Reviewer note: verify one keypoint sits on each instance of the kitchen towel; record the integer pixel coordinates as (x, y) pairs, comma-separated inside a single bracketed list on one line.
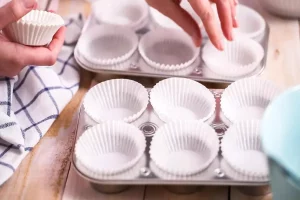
[(31, 101)]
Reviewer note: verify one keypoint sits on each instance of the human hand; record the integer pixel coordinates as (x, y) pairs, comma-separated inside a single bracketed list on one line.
[(226, 12), (14, 57)]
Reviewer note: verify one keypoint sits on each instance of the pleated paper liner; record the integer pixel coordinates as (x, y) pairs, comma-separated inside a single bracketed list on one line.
[(162, 21), (208, 173), (286, 8), (184, 148), (231, 173), (239, 58), (107, 44), (132, 14), (110, 148), (182, 99), (36, 28), (248, 98), (132, 173), (117, 99), (168, 49), (251, 24), (241, 148)]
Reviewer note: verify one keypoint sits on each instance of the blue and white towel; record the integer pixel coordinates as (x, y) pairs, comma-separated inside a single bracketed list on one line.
[(31, 101)]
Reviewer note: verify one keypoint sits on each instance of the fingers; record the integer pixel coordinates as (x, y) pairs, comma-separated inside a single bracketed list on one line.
[(205, 12), (57, 41), (40, 55), (233, 4), (225, 15), (181, 17), (14, 10)]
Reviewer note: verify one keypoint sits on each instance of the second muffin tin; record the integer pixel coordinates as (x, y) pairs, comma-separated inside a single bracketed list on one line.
[(243, 63), (216, 172)]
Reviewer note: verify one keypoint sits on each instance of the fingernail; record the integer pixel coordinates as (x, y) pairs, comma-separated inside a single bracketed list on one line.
[(220, 45), (29, 3), (236, 2), (236, 24)]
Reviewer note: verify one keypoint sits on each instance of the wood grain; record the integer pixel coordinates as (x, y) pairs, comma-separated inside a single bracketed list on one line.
[(205, 193)]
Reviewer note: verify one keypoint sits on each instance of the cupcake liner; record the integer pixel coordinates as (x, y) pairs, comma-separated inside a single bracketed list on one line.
[(36, 28), (182, 99), (161, 21), (168, 49), (239, 57), (233, 174), (110, 148), (242, 149), (208, 173), (287, 8), (118, 99), (251, 23), (184, 148), (86, 64), (181, 72), (129, 174), (107, 45), (132, 14), (247, 98)]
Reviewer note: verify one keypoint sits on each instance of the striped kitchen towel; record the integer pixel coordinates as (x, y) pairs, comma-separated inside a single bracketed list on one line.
[(31, 101)]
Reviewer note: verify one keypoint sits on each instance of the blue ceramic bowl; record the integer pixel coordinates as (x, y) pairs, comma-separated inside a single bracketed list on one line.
[(280, 132)]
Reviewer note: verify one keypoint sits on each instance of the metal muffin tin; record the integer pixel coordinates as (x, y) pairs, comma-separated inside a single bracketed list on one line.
[(136, 66), (219, 173)]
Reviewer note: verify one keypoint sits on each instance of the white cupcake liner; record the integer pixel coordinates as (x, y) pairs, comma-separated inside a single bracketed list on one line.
[(132, 14), (129, 174), (182, 99), (242, 149), (110, 148), (161, 21), (251, 23), (247, 98), (181, 72), (184, 148), (168, 49), (233, 174), (239, 57), (36, 28), (94, 67), (208, 173), (287, 8), (116, 100), (107, 45)]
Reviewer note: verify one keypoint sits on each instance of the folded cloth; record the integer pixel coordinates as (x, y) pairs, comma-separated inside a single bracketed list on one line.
[(31, 101)]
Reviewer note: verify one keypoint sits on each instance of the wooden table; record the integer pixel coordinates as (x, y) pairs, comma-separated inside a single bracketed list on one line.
[(46, 173)]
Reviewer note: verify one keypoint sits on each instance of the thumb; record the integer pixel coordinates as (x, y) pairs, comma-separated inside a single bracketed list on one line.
[(14, 10)]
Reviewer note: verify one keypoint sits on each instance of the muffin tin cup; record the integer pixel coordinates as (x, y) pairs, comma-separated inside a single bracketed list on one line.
[(168, 49), (241, 148), (184, 148), (116, 100), (239, 58), (251, 24), (247, 98), (177, 99), (36, 28), (110, 148), (107, 44), (132, 14)]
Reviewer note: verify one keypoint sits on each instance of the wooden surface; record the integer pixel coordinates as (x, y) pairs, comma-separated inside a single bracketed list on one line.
[(51, 176)]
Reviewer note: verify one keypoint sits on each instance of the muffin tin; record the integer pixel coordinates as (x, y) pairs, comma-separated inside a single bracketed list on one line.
[(196, 141), (164, 52)]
